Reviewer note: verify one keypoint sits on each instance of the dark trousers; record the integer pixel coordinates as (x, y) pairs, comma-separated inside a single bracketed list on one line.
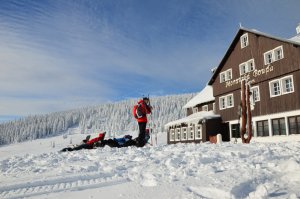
[(79, 147), (142, 133)]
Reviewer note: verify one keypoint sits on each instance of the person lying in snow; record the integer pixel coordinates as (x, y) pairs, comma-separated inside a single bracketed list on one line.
[(100, 142), (86, 143)]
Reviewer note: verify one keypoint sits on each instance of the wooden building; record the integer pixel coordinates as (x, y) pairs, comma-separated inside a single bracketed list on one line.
[(201, 123), (271, 65)]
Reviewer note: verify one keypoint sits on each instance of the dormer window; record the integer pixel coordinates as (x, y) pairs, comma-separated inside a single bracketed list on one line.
[(244, 40)]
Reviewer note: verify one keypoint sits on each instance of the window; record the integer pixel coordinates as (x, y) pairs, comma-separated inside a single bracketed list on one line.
[(278, 53), (195, 109), (262, 128), (172, 135), (278, 126), (191, 132), (177, 134), (281, 86), (243, 69), (247, 66), (251, 65), (275, 88), (198, 132), (229, 74), (222, 77), (222, 103), (214, 107), (226, 101), (205, 108), (294, 124), (268, 56), (273, 55), (184, 133), (255, 94), (226, 75), (230, 101), (244, 40), (287, 85)]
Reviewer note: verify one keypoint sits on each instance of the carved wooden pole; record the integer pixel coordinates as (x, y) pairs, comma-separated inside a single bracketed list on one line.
[(249, 115), (243, 104)]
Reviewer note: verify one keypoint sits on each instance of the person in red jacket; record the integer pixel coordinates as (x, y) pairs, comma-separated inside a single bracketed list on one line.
[(143, 108), (86, 144)]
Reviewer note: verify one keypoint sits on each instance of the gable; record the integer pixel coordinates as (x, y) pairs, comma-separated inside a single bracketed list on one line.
[(236, 46)]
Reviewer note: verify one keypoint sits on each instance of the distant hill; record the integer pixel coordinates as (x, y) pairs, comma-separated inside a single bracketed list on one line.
[(112, 118)]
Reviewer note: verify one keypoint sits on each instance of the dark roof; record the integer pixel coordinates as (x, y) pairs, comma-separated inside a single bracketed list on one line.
[(236, 39)]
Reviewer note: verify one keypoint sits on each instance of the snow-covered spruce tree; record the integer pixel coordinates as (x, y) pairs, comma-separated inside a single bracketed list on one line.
[(114, 118)]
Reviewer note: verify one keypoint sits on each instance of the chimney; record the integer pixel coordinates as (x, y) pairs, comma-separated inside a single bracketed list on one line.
[(298, 29)]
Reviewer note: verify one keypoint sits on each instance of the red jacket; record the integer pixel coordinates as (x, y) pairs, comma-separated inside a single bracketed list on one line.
[(145, 110), (94, 140)]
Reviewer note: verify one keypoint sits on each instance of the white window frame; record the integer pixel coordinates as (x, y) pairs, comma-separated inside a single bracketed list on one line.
[(274, 55), (268, 60), (249, 66), (226, 101), (184, 133), (177, 134), (245, 67), (222, 77), (244, 43), (278, 49), (284, 84), (191, 132), (271, 87), (281, 83), (253, 90), (198, 132), (172, 135), (195, 109), (214, 107), (205, 108), (221, 102), (226, 75), (227, 97)]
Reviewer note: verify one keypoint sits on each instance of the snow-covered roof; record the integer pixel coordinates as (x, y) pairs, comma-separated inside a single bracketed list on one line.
[(194, 118), (206, 95), (295, 39)]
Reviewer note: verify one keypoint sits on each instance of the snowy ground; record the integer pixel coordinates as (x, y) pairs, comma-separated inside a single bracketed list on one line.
[(227, 170)]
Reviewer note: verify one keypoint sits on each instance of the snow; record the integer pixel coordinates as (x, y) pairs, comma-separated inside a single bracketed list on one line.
[(194, 118), (296, 38), (260, 169), (206, 95)]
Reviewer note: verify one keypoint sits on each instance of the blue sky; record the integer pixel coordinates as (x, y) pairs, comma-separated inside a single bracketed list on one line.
[(58, 55)]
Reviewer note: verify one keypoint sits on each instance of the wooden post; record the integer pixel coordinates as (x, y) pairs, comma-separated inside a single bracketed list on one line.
[(249, 115), (243, 104)]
